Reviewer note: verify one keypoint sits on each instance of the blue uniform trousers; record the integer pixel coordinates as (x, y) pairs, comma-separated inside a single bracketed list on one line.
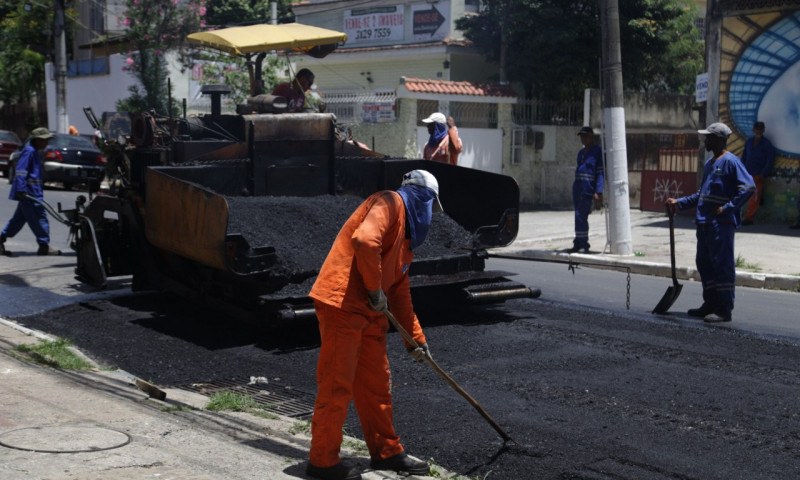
[(716, 265), (35, 216), (583, 207)]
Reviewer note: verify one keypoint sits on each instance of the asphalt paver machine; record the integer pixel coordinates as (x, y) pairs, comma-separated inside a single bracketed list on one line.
[(238, 211)]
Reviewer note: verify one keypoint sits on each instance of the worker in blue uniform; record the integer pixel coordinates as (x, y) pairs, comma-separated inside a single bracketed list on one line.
[(757, 157), (27, 190), (587, 189), (725, 188)]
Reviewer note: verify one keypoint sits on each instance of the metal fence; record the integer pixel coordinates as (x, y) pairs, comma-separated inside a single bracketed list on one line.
[(534, 112)]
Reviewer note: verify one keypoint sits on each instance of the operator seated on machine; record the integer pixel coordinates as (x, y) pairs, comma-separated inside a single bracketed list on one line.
[(300, 94)]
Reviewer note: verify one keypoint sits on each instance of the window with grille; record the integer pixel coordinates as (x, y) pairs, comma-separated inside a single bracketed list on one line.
[(517, 145)]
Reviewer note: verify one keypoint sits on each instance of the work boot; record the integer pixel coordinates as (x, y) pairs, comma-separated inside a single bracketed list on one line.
[(45, 249), (700, 312), (339, 471), (717, 317), (401, 463), (3, 250)]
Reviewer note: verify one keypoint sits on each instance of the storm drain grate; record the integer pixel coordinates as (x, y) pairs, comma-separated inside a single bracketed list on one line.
[(276, 398)]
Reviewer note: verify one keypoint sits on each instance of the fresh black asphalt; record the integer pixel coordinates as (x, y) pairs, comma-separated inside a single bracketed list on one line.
[(586, 394)]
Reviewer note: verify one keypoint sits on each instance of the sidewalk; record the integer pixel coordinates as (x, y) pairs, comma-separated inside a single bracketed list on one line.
[(768, 254), (97, 425)]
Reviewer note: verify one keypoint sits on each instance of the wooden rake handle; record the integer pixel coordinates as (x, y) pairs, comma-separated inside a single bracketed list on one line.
[(447, 378)]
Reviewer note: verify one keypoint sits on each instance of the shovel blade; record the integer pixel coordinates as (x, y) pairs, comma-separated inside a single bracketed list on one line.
[(668, 299)]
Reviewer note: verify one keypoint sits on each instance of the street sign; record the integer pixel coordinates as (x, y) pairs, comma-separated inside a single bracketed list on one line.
[(701, 88)]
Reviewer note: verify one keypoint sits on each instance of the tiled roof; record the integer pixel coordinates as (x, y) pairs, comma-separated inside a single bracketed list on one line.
[(447, 87)]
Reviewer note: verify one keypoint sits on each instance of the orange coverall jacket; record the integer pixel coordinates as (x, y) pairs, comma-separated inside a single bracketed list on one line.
[(371, 252)]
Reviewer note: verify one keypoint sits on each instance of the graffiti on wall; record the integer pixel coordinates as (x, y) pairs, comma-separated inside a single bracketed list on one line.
[(665, 188)]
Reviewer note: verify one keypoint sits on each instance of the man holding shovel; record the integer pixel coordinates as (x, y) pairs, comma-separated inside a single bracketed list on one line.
[(725, 188), (365, 272)]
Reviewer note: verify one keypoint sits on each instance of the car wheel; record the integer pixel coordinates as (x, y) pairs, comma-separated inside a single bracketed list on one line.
[(10, 174), (67, 185)]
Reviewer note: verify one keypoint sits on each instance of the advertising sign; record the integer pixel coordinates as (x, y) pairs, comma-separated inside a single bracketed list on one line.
[(377, 112), (374, 24), (431, 21)]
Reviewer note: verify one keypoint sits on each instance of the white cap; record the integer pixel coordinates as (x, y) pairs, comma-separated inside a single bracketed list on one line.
[(717, 129), (435, 117), (424, 178)]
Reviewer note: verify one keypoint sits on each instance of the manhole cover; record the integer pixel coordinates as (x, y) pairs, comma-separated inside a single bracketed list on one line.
[(272, 397), (64, 439)]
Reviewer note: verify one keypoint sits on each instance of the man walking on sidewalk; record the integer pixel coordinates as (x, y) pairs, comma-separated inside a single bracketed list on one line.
[(726, 186), (27, 190)]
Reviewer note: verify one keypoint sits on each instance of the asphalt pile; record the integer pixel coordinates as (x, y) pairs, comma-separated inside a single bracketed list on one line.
[(302, 230)]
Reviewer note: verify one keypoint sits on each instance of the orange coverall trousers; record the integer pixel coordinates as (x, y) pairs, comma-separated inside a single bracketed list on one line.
[(352, 365)]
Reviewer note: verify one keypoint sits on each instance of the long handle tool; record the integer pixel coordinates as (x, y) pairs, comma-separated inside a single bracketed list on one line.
[(672, 292), (447, 378)]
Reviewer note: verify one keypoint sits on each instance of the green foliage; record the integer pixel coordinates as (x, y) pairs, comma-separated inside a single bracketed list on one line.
[(232, 72), (155, 27), (231, 401), (227, 13), (24, 36), (554, 46), (55, 353)]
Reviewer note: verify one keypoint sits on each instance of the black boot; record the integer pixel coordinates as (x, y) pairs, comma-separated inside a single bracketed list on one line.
[(339, 471), (3, 250), (401, 463), (44, 249), (701, 312)]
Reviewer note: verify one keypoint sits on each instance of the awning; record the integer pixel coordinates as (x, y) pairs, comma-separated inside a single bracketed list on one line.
[(260, 38)]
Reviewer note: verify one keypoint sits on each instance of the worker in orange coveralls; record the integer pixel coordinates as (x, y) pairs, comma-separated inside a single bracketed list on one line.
[(365, 273)]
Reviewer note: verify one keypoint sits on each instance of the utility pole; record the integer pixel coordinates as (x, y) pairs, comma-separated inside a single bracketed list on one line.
[(614, 132), (713, 37), (61, 68)]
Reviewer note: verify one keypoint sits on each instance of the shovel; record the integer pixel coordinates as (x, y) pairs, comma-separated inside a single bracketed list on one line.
[(674, 291), (447, 378)]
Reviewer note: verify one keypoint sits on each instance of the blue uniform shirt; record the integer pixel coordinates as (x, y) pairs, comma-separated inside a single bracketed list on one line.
[(589, 173), (758, 159), (725, 182), (28, 174)]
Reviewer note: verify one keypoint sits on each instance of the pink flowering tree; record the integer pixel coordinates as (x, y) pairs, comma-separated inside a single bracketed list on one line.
[(155, 27)]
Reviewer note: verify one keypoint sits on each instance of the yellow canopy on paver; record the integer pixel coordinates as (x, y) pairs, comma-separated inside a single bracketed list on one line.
[(261, 38)]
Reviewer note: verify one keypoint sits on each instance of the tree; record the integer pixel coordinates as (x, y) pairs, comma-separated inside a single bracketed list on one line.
[(553, 47), (25, 33), (232, 71), (155, 27)]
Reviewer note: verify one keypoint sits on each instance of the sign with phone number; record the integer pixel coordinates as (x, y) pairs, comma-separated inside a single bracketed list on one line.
[(376, 24)]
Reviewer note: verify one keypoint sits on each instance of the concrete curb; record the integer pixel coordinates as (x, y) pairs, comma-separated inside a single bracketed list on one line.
[(769, 281)]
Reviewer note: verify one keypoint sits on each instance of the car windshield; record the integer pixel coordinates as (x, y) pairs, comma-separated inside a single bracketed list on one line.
[(72, 142), (9, 137)]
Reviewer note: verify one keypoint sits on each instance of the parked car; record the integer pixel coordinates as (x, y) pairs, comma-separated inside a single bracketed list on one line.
[(69, 160), (9, 142)]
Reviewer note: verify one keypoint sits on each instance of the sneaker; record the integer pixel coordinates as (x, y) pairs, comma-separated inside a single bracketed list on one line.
[(339, 471), (45, 249), (700, 312), (717, 317), (401, 463), (578, 250), (3, 250)]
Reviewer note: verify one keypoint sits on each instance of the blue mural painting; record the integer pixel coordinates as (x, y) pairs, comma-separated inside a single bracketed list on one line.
[(765, 86)]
